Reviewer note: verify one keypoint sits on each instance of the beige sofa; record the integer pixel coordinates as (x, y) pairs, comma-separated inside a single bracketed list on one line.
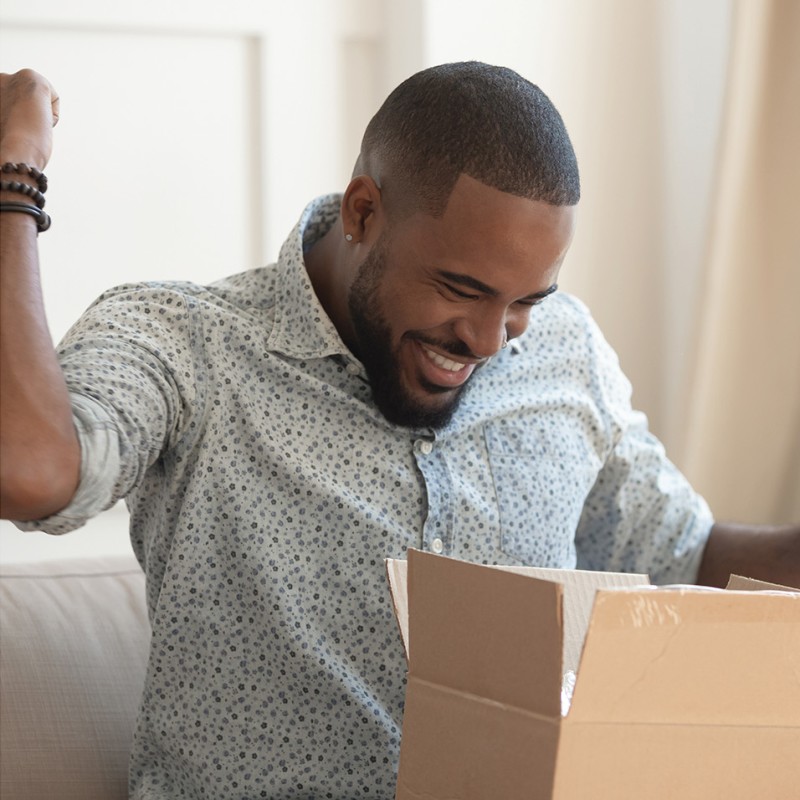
[(73, 650)]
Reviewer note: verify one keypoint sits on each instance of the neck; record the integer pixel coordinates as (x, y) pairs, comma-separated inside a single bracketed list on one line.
[(327, 267)]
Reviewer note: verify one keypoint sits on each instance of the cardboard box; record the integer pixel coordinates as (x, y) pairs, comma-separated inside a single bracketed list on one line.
[(681, 693)]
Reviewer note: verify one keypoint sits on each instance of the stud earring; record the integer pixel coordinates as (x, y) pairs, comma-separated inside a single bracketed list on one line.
[(505, 342), (348, 237)]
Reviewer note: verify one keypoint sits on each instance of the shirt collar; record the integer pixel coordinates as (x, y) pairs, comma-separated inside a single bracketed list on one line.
[(302, 327)]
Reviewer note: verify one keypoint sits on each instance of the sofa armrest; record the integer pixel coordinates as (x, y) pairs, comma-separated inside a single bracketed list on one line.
[(74, 638)]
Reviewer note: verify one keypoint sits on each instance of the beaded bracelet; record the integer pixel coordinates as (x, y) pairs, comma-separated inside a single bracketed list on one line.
[(25, 169), (23, 188), (42, 219)]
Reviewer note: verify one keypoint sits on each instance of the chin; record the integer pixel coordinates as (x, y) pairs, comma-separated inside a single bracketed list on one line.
[(401, 407)]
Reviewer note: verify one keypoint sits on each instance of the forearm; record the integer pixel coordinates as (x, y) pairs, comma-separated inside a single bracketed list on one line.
[(766, 553), (39, 450)]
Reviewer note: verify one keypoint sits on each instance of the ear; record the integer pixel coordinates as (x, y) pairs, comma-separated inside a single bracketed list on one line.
[(361, 208)]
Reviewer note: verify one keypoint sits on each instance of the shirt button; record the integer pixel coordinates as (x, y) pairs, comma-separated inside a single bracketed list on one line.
[(425, 447), (353, 369), (437, 545)]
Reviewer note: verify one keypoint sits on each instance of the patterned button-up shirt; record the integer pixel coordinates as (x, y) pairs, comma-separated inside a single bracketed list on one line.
[(266, 490)]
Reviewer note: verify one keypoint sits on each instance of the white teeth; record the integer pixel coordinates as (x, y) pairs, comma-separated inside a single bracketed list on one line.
[(444, 363)]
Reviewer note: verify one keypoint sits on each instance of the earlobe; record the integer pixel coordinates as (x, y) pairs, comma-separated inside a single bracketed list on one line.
[(361, 201)]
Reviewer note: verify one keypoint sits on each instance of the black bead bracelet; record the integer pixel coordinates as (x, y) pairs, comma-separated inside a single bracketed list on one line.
[(23, 188), (42, 219), (25, 169)]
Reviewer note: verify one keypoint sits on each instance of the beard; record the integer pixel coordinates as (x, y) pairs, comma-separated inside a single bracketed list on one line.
[(381, 361)]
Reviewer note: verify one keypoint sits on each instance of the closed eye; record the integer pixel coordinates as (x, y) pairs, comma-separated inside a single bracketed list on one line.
[(459, 293), (539, 298)]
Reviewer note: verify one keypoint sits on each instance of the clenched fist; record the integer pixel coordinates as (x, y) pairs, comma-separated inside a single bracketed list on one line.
[(28, 112)]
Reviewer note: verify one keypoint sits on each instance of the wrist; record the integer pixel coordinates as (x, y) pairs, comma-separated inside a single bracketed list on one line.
[(18, 149), (29, 191), (18, 224)]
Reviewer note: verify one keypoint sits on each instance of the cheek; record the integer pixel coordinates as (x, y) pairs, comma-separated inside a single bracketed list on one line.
[(408, 311)]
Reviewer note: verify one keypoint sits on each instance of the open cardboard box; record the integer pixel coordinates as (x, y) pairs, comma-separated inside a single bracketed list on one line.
[(681, 693)]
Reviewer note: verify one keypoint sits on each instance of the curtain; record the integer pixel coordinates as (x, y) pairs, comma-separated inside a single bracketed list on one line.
[(742, 446)]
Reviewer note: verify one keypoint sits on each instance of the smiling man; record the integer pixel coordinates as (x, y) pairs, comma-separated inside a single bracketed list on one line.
[(405, 375), (436, 297), (454, 227)]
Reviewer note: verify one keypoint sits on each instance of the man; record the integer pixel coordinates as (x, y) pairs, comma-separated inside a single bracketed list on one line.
[(406, 375)]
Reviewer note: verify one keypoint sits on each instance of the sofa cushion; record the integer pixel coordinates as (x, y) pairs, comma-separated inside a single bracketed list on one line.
[(74, 638)]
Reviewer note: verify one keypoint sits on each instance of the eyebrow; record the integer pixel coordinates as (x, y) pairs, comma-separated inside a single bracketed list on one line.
[(480, 286)]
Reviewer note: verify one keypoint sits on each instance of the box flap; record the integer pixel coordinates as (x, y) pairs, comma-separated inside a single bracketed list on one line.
[(741, 584), (580, 587), (397, 575), (482, 713), (481, 631), (691, 656)]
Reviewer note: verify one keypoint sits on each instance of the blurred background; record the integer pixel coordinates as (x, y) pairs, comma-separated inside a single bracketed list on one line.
[(192, 134)]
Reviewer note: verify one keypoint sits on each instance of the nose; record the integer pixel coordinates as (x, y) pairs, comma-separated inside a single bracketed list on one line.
[(483, 333)]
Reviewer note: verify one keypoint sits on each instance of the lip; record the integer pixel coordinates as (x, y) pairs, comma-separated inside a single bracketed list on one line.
[(439, 375)]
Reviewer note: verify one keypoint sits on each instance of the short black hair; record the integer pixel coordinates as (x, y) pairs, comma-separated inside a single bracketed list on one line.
[(470, 118)]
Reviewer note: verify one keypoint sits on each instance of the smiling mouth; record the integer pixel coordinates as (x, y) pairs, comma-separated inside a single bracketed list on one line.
[(440, 373), (443, 362)]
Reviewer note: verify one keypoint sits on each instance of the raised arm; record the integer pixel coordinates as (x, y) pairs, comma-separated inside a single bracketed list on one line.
[(39, 451)]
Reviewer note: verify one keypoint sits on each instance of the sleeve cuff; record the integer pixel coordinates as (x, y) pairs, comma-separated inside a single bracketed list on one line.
[(100, 467)]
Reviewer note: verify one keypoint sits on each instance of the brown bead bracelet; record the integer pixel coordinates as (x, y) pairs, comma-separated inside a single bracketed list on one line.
[(23, 188), (25, 169), (42, 219)]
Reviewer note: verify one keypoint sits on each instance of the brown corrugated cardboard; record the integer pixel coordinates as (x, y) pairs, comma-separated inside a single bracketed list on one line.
[(579, 587), (742, 584), (680, 693)]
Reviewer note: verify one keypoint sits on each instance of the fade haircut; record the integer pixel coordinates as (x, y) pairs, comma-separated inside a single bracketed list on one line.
[(484, 121)]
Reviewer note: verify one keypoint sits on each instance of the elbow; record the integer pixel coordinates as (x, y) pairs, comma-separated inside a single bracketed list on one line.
[(35, 485)]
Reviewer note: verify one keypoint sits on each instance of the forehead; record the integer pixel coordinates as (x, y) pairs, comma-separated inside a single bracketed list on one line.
[(506, 241)]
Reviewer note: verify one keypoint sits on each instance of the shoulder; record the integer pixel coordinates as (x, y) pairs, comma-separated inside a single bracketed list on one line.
[(248, 294), (564, 356), (563, 311), (562, 326), (254, 291)]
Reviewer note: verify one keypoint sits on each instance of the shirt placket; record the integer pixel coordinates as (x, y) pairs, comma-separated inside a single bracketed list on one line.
[(437, 533)]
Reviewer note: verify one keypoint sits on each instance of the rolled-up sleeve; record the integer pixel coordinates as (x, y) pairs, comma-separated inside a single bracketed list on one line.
[(130, 365)]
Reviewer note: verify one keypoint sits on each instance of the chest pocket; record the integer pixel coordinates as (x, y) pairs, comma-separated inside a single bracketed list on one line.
[(542, 471)]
